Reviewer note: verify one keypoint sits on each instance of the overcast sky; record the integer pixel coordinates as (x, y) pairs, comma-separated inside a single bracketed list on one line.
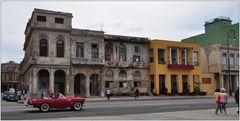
[(155, 20)]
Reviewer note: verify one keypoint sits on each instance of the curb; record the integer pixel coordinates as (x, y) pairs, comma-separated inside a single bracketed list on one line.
[(164, 98)]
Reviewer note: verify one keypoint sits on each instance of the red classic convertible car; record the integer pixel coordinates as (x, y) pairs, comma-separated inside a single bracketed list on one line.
[(45, 104)]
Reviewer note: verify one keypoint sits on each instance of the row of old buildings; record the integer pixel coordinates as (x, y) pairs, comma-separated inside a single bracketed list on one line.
[(60, 58)]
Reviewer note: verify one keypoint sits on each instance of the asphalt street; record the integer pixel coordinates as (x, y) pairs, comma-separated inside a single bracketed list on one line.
[(14, 111)]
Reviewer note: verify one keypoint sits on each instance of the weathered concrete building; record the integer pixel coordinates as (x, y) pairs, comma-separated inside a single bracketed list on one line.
[(72, 61), (9, 76), (215, 60), (219, 33)]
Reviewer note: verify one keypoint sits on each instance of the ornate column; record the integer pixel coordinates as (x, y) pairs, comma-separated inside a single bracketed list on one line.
[(71, 84), (221, 80), (51, 81), (87, 87), (67, 83), (35, 84)]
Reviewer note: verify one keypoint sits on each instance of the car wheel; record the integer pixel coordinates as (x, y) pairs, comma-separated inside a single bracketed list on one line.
[(44, 107), (77, 106)]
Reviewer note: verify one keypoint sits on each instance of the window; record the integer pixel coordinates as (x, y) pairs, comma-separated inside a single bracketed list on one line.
[(43, 47), (151, 59), (136, 58), (60, 48), (195, 58), (59, 20), (108, 84), (174, 56), (231, 59), (184, 57), (161, 56), (108, 52), (137, 76), (136, 49), (79, 50), (122, 53), (122, 74), (237, 59), (206, 81), (41, 18), (94, 50), (137, 83), (224, 58), (122, 84)]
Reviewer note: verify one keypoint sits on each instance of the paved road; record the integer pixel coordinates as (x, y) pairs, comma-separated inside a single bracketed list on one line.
[(15, 111)]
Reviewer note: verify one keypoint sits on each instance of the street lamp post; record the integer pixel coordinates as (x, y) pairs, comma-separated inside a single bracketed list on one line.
[(230, 35)]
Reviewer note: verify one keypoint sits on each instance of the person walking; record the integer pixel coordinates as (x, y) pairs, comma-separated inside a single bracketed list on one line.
[(136, 93), (223, 100), (42, 93), (237, 98), (216, 96), (108, 94), (19, 95)]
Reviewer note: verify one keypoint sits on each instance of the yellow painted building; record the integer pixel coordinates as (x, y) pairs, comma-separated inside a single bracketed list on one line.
[(175, 67)]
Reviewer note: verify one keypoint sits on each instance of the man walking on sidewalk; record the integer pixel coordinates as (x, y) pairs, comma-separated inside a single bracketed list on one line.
[(108, 94), (136, 93)]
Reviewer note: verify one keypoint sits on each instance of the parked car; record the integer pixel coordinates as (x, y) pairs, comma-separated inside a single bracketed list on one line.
[(61, 102), (4, 95), (11, 96)]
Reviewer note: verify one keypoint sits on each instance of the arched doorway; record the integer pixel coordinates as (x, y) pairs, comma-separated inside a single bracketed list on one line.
[(79, 85), (59, 81), (43, 77), (94, 85)]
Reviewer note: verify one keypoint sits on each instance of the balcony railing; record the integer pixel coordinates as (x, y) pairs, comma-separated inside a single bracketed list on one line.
[(178, 66), (94, 61)]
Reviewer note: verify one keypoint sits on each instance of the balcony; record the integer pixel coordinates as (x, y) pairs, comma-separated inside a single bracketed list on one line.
[(178, 66), (84, 61)]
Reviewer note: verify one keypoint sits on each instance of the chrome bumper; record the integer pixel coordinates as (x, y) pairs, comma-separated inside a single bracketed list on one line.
[(29, 106)]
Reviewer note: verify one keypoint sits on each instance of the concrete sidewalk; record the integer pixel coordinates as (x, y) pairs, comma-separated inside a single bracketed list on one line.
[(206, 114), (128, 98)]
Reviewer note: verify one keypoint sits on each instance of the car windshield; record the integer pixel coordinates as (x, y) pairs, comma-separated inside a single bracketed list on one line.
[(61, 96), (11, 93)]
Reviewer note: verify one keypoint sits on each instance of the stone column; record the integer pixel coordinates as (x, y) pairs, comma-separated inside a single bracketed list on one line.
[(35, 84), (221, 80), (87, 87), (168, 82), (67, 83), (102, 89), (51, 81), (156, 84), (180, 86), (71, 84)]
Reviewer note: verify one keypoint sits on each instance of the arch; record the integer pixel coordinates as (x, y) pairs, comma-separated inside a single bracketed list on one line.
[(79, 84), (60, 48), (109, 75), (108, 51), (94, 84), (59, 81), (43, 79), (43, 47), (123, 74), (137, 76), (122, 52)]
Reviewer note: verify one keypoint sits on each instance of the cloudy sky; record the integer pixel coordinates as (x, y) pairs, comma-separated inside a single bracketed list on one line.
[(156, 19)]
